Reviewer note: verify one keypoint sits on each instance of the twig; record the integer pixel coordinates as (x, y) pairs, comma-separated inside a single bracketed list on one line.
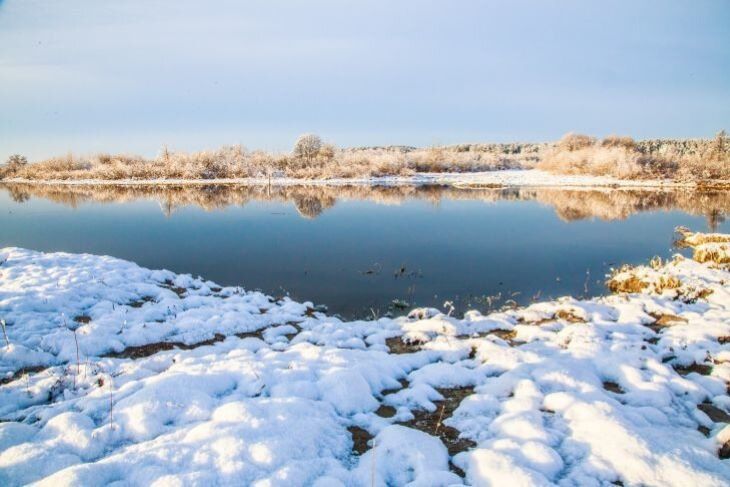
[(78, 360), (5, 334), (450, 306), (375, 315), (441, 416), (111, 402), (372, 466)]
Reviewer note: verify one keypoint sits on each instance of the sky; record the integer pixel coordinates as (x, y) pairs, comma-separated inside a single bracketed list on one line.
[(136, 75)]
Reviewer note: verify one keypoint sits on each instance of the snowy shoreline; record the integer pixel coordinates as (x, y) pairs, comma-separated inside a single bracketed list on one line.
[(507, 178), (117, 373)]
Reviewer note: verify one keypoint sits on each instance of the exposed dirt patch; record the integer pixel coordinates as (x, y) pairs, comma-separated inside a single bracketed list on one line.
[(704, 430), (360, 439), (33, 369), (716, 414), (385, 411), (457, 470), (180, 291), (506, 335), (138, 303), (432, 422), (612, 387), (289, 336), (398, 346), (404, 384), (252, 334), (569, 316), (82, 319), (724, 451), (724, 340), (536, 322), (702, 369), (143, 351), (664, 321)]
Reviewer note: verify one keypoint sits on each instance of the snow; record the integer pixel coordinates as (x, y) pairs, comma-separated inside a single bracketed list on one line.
[(258, 391)]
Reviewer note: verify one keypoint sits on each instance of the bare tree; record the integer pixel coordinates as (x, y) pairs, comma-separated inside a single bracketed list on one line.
[(16, 161), (307, 146), (12, 165)]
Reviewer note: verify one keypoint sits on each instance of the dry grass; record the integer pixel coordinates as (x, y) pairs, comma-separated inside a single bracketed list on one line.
[(574, 154), (718, 253), (707, 247), (237, 162), (693, 239), (630, 279), (622, 157)]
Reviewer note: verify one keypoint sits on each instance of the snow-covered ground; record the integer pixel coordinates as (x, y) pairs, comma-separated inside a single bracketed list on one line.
[(116, 374), (516, 177)]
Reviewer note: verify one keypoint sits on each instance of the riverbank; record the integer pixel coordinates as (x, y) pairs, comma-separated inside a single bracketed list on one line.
[(498, 178), (108, 365)]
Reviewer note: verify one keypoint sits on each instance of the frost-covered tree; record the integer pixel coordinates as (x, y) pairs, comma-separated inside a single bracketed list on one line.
[(16, 161), (12, 165), (307, 146)]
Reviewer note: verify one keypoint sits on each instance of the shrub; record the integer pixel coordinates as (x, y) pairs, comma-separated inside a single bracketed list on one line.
[(307, 146), (573, 142), (626, 143), (12, 165)]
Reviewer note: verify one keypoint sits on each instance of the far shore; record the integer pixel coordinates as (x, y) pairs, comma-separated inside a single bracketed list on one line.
[(574, 160), (496, 179)]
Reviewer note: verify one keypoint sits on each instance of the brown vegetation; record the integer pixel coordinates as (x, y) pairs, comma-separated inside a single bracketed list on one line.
[(311, 158), (622, 157)]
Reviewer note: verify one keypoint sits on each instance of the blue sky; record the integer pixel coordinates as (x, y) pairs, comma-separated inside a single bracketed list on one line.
[(132, 76)]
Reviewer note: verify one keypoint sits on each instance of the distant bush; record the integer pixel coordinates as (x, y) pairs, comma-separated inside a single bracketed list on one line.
[(622, 157), (12, 165), (574, 142), (307, 146), (618, 141), (581, 154)]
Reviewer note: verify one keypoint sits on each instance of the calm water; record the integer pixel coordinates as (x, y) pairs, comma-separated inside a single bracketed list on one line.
[(354, 249)]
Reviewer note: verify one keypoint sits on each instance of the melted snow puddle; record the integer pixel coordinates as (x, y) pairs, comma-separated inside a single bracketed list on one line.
[(365, 251)]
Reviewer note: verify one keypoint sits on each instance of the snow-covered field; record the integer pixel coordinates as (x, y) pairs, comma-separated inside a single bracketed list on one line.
[(116, 374), (512, 177)]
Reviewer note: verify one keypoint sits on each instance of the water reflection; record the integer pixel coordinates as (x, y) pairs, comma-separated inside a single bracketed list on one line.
[(312, 200)]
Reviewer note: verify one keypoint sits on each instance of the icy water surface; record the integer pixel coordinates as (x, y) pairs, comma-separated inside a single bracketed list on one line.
[(356, 249)]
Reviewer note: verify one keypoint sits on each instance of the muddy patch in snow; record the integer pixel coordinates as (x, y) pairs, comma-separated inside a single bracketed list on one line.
[(361, 439), (142, 351), (432, 422), (399, 345)]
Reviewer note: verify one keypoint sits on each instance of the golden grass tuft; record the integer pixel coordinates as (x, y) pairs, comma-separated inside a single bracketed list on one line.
[(718, 253)]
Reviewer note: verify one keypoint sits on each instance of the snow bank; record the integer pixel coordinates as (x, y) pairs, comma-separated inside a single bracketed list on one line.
[(119, 374)]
